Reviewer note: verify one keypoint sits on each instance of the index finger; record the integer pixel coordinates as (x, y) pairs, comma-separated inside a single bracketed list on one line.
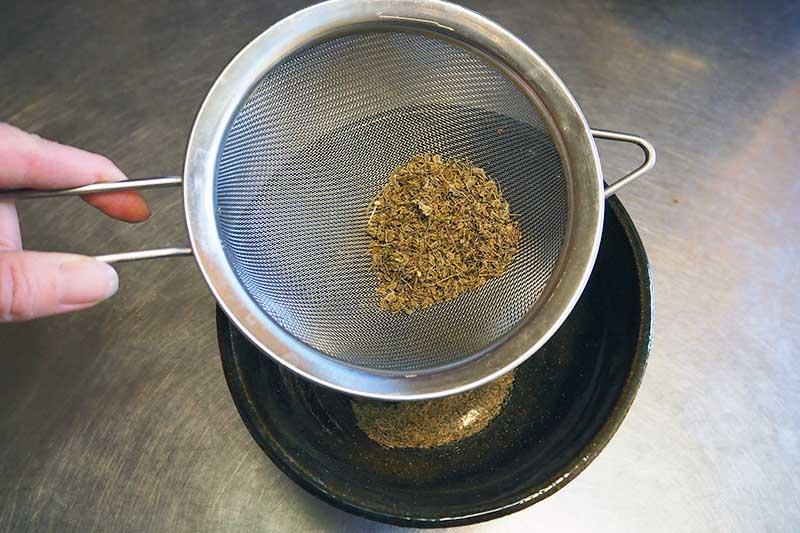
[(28, 161)]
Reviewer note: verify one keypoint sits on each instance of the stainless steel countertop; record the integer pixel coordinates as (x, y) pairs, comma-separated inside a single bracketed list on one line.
[(119, 419)]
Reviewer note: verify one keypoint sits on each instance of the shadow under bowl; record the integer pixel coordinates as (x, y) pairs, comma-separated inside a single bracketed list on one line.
[(567, 401)]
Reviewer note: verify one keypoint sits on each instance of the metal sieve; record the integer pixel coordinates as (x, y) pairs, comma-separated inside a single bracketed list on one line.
[(303, 128)]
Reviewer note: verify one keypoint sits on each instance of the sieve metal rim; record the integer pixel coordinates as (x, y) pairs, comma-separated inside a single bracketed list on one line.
[(323, 21)]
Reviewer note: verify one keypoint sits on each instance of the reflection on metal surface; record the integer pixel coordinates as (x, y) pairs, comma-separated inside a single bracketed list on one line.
[(685, 60), (118, 418)]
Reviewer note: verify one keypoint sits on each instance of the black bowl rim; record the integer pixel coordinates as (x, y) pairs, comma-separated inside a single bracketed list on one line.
[(559, 480)]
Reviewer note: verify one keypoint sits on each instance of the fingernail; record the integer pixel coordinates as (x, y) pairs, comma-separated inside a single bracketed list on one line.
[(85, 280)]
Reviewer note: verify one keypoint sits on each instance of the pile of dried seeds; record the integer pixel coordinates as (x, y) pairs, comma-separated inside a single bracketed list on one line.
[(432, 423), (439, 228)]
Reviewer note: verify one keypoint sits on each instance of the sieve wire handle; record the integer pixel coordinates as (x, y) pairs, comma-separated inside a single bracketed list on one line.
[(114, 186), (646, 166)]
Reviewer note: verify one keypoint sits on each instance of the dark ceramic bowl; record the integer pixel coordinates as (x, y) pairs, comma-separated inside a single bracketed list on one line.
[(568, 400)]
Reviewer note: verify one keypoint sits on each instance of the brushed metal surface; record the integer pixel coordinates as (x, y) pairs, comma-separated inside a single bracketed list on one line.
[(118, 418)]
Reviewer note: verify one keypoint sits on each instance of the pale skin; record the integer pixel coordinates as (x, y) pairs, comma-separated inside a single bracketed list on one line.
[(36, 284)]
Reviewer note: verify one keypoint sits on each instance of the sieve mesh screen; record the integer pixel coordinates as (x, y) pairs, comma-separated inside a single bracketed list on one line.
[(312, 146)]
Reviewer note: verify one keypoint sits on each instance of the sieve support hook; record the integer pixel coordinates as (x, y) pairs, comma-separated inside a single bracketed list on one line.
[(646, 166), (115, 186)]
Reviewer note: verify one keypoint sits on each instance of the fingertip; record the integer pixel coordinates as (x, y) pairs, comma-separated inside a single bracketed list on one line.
[(35, 284), (85, 281), (136, 208), (128, 206), (108, 171)]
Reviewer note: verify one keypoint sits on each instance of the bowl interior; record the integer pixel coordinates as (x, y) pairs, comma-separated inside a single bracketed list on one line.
[(566, 403)]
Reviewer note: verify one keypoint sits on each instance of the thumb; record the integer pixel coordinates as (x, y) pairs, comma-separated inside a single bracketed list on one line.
[(34, 284)]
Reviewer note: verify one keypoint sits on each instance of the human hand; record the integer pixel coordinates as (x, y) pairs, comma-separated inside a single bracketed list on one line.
[(35, 284)]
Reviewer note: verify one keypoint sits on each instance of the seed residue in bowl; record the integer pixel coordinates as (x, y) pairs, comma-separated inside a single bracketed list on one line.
[(439, 228), (432, 423)]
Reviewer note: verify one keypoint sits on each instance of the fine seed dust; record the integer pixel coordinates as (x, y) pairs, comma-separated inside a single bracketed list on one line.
[(439, 228), (432, 423)]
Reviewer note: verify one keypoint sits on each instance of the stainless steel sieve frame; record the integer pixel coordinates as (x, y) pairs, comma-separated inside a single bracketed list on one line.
[(570, 131)]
